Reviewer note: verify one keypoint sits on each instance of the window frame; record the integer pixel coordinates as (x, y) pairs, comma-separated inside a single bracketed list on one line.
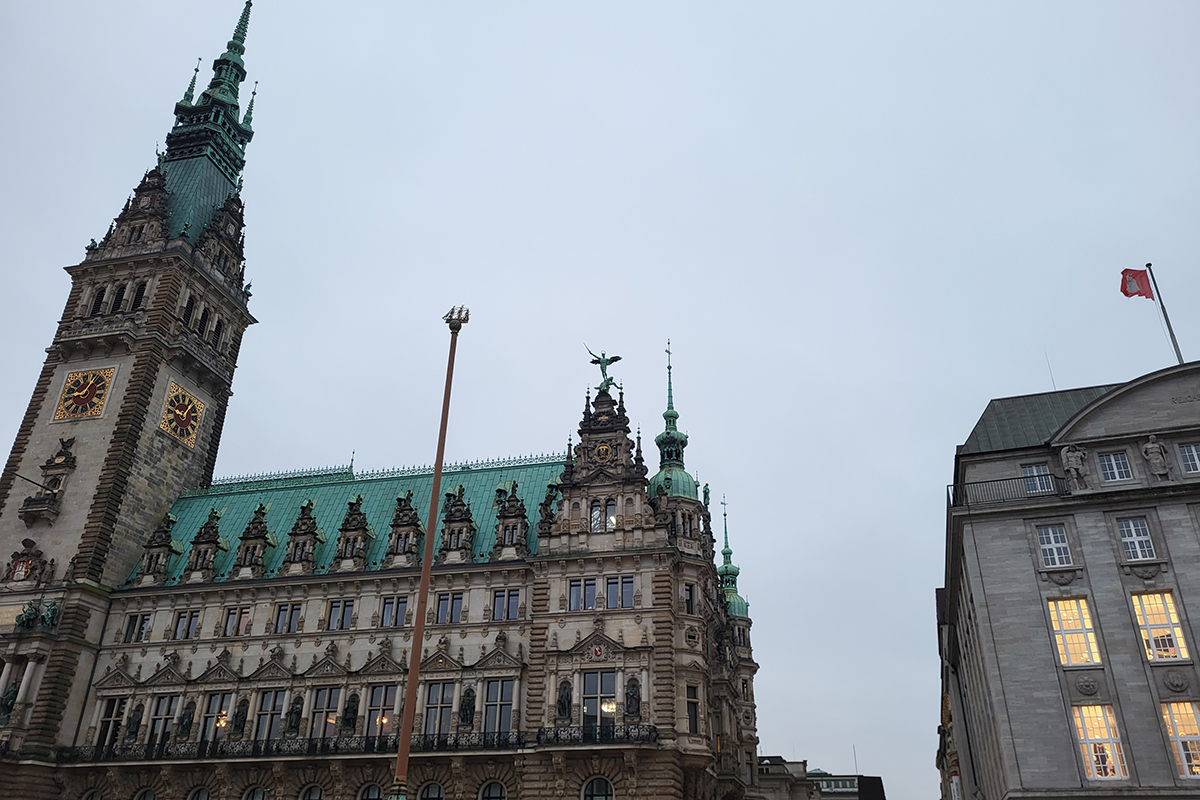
[(187, 624), (381, 714), (1189, 455), (1148, 629), (444, 709), (1185, 747), (1118, 478), (1136, 539), (449, 608), (692, 696), (392, 611), (240, 617), (1111, 738), (214, 716), (289, 614), (578, 589), (609, 791), (1051, 550), (1087, 629), (341, 611), (1037, 478), (272, 717), (497, 711), (506, 604), (137, 627), (323, 713)]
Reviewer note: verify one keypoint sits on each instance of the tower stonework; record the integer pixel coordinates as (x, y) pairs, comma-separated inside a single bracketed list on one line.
[(126, 413)]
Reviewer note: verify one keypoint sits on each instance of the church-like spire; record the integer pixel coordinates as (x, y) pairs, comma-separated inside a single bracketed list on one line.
[(670, 442), (728, 572), (191, 90), (250, 107)]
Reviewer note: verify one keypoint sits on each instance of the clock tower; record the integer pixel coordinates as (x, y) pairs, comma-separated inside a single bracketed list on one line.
[(128, 409)]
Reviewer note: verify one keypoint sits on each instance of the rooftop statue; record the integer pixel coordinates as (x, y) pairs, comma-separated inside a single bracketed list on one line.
[(603, 361)]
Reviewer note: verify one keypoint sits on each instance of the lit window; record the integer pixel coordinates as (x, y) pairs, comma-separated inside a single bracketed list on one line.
[(1037, 478), (1115, 467), (599, 701), (1052, 539), (1099, 741), (1189, 454), (324, 712), (1073, 632), (380, 702), (598, 789), (1135, 539), (1183, 728), (216, 717), (1162, 634), (439, 703)]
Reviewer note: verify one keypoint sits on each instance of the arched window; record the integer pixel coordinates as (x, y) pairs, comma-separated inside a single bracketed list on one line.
[(94, 794), (98, 302), (145, 794), (610, 515), (118, 299), (371, 792), (203, 322), (188, 310), (493, 791), (216, 334), (255, 793), (312, 793), (139, 294), (200, 794), (598, 789), (431, 791), (597, 519)]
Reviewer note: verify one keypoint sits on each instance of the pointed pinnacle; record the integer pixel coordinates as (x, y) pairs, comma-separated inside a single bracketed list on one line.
[(191, 90), (239, 33), (250, 107)]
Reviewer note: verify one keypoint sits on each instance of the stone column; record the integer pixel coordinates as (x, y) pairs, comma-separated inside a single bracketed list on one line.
[(6, 676), (26, 680)]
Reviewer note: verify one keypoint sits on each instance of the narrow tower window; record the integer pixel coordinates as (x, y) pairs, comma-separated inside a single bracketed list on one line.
[(216, 334), (98, 302), (139, 294), (188, 310), (203, 321), (118, 299)]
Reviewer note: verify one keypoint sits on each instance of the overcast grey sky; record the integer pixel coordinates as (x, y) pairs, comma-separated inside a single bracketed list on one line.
[(857, 223)]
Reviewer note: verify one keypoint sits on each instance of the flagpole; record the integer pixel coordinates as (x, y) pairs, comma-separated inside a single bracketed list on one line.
[(1163, 307)]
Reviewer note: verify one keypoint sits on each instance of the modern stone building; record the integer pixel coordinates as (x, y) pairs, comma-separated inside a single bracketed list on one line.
[(1072, 545), (167, 637)]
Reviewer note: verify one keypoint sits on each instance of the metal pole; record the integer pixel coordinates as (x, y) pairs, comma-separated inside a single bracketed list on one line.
[(1163, 306), (456, 318)]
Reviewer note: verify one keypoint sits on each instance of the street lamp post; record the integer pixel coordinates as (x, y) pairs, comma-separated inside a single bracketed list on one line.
[(456, 318)]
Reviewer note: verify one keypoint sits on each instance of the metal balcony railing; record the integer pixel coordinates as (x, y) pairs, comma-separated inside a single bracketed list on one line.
[(1031, 487), (599, 734)]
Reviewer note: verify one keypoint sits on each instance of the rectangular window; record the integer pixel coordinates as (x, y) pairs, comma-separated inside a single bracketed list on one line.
[(627, 591), (1073, 632), (1037, 479), (1115, 467), (187, 623), (393, 611), (215, 720), (583, 594), (1135, 538), (612, 592), (340, 614), (693, 709), (497, 707), (237, 621), (449, 608), (111, 714), (599, 699), (1052, 539), (287, 618), (1189, 454), (324, 712), (1158, 621), (439, 703), (162, 718), (689, 598), (1183, 728), (505, 604), (270, 712), (1099, 741), (137, 628), (380, 702)]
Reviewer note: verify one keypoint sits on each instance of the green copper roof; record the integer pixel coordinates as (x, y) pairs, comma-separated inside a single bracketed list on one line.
[(728, 574), (672, 476), (330, 490), (206, 148), (1031, 420)]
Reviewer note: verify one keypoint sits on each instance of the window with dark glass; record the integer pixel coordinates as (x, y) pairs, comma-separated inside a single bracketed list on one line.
[(203, 326), (497, 707), (118, 299), (610, 515), (187, 623), (237, 621), (693, 709), (216, 334), (340, 614), (380, 702), (189, 308), (583, 594), (505, 603), (432, 791), (139, 295), (215, 718), (618, 592), (137, 628), (599, 698), (393, 612), (111, 715), (449, 607), (98, 302), (162, 717), (269, 714), (689, 598), (598, 789), (324, 712), (287, 618), (439, 706), (493, 791)]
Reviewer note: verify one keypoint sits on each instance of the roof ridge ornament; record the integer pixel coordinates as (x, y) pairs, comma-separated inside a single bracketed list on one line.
[(604, 361)]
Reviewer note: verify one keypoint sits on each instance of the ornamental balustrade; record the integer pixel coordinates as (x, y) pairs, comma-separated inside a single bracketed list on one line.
[(599, 734), (1030, 487)]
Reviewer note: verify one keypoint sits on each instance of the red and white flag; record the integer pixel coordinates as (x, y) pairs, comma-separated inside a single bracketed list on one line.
[(1136, 282)]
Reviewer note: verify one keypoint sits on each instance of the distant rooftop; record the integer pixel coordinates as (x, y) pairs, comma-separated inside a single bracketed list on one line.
[(1031, 420)]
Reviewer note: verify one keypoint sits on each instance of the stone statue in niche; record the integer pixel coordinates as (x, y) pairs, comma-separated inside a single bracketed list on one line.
[(466, 707), (1155, 454), (183, 728), (1074, 461), (7, 701), (239, 717), (134, 724), (563, 707), (633, 698), (293, 716), (350, 714)]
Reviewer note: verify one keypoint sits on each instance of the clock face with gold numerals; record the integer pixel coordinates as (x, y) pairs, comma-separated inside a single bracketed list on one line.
[(181, 415), (84, 393)]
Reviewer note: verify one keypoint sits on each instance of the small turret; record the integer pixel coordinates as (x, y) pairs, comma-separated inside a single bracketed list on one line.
[(672, 476), (728, 574)]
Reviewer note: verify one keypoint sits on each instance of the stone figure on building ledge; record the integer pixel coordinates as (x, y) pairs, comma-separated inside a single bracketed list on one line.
[(466, 708), (1074, 461), (1155, 454), (564, 700), (633, 698)]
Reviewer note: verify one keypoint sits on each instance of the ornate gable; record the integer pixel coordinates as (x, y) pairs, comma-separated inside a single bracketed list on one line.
[(498, 659), (326, 666), (167, 676), (270, 671), (597, 647), (218, 673), (381, 665), (440, 661), (116, 679)]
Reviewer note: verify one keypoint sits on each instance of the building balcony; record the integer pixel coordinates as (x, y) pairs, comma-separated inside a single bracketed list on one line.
[(598, 734), (1033, 487)]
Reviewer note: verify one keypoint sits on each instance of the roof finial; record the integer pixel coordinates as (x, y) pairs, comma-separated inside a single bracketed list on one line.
[(351, 461), (726, 551), (239, 33), (191, 90), (250, 108), (670, 415)]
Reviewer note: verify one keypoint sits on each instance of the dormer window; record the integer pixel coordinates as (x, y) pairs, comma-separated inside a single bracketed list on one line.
[(510, 534)]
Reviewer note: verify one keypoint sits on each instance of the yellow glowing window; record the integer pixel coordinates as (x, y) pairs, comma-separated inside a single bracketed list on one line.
[(1073, 631), (1099, 742), (1159, 623), (1183, 728)]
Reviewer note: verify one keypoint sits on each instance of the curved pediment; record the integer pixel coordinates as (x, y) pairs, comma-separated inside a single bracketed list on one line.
[(1161, 401)]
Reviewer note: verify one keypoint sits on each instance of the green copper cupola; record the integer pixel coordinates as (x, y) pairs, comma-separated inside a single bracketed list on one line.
[(727, 575), (206, 149), (672, 475)]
